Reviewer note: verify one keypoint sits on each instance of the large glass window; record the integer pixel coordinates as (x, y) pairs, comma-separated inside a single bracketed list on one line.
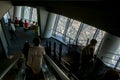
[(99, 38), (73, 29), (86, 34), (34, 14), (26, 12), (61, 26)]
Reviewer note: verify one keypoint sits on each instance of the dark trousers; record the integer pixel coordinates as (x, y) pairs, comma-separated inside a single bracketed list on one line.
[(13, 35)]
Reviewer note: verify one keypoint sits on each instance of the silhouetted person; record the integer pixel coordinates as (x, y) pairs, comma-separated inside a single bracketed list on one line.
[(26, 24), (11, 31), (21, 23), (26, 49), (87, 57)]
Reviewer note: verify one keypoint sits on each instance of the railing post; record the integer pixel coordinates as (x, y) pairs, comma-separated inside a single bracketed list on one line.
[(60, 52), (50, 48), (54, 50)]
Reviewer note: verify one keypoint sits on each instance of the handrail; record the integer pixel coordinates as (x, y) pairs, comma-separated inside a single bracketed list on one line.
[(5, 72), (56, 68), (109, 52), (109, 58), (59, 40)]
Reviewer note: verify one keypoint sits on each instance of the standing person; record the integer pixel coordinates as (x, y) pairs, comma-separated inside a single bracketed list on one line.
[(37, 33), (35, 56), (25, 50), (87, 57), (21, 23), (26, 24), (11, 30), (16, 22)]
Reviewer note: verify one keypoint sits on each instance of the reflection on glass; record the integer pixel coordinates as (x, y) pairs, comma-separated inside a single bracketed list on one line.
[(86, 33)]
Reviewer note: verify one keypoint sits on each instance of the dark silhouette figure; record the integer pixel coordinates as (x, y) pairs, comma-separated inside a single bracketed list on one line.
[(87, 58), (11, 31), (25, 50), (21, 23)]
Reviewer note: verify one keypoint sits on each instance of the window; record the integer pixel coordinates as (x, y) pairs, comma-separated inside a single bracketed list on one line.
[(99, 38), (73, 29), (86, 34), (34, 14), (26, 12), (61, 26)]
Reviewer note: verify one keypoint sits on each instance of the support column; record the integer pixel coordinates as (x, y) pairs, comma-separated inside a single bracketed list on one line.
[(49, 25), (17, 12)]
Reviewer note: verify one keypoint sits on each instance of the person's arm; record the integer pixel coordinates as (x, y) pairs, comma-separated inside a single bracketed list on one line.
[(44, 51)]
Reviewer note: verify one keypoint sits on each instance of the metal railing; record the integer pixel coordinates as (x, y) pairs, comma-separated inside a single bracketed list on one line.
[(8, 69), (60, 73)]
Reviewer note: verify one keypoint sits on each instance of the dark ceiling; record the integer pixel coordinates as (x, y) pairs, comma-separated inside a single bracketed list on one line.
[(100, 14)]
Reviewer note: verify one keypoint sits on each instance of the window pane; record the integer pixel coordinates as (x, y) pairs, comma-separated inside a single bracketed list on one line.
[(34, 15), (86, 33), (73, 29), (99, 38), (61, 26), (26, 12)]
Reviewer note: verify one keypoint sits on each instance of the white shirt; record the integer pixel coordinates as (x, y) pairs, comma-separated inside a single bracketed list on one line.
[(35, 56)]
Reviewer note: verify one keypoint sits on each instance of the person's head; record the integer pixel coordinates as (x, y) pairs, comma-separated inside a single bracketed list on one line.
[(15, 17), (26, 44), (93, 42), (111, 74), (33, 22), (36, 41)]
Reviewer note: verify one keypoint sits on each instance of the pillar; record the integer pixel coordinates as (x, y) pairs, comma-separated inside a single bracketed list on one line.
[(50, 24), (17, 12)]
